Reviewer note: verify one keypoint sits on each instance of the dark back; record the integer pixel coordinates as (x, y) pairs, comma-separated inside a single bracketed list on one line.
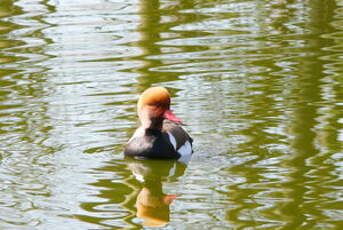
[(153, 144)]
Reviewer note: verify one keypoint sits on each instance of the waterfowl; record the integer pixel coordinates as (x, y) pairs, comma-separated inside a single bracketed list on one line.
[(156, 138)]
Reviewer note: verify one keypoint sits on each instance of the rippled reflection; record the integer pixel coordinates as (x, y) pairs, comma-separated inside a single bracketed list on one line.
[(140, 193), (258, 83), (152, 203)]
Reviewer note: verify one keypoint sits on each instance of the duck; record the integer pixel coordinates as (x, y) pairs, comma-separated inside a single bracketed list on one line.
[(160, 134)]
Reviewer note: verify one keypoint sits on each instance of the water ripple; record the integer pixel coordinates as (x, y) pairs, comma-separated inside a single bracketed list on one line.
[(257, 83)]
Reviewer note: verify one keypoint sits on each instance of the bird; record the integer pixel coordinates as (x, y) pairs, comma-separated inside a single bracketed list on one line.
[(155, 137)]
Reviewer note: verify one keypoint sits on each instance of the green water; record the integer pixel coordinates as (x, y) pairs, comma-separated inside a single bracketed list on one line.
[(259, 84)]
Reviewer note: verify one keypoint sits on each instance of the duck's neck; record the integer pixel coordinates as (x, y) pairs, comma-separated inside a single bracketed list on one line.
[(152, 123)]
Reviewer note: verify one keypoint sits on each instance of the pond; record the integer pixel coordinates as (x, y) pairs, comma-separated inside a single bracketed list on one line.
[(258, 83)]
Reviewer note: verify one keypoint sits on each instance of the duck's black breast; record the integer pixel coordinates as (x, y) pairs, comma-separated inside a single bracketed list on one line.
[(150, 143)]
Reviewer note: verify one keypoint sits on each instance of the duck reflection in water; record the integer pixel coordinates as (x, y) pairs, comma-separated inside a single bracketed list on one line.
[(152, 203)]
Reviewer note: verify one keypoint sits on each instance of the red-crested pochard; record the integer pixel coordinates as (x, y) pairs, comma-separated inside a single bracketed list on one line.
[(156, 138)]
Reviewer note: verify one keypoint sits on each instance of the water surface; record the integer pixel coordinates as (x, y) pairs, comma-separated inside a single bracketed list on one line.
[(259, 84)]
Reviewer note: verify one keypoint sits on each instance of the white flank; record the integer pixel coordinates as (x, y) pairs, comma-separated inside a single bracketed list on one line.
[(172, 140), (186, 152)]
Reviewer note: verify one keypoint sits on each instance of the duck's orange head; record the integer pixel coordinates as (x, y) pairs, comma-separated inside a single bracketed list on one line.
[(154, 103)]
